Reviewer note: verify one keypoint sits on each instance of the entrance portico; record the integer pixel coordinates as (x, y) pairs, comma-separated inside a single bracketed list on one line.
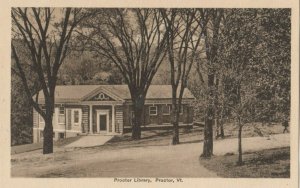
[(102, 111), (102, 117)]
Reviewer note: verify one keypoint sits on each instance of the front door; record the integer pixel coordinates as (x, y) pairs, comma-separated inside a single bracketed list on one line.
[(103, 121)]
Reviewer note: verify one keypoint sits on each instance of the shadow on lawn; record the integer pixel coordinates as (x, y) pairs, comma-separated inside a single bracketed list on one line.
[(270, 163), (152, 138), (154, 134), (191, 142)]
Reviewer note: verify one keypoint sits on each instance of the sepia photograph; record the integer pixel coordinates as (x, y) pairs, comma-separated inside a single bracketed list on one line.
[(140, 93)]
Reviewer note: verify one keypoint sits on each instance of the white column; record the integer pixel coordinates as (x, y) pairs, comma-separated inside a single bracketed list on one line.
[(113, 118), (91, 119)]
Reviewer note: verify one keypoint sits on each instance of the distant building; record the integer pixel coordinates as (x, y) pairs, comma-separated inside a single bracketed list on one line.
[(106, 109)]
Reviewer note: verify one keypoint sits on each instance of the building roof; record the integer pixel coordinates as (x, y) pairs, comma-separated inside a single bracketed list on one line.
[(73, 93)]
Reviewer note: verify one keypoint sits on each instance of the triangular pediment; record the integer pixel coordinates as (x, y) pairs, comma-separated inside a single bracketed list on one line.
[(101, 96)]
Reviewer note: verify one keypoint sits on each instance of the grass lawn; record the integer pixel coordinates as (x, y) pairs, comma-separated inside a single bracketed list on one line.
[(194, 135), (253, 129), (157, 138), (271, 163), (39, 146)]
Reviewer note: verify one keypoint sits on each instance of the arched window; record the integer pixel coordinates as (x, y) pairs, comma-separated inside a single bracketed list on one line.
[(101, 96)]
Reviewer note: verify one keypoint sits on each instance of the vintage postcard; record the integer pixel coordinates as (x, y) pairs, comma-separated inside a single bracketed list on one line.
[(154, 94)]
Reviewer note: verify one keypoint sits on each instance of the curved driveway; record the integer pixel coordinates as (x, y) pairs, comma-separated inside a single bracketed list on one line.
[(152, 161)]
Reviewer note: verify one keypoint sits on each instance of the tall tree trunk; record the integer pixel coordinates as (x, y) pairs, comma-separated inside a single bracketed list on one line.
[(208, 139), (222, 128), (48, 136), (217, 109), (138, 108), (217, 124), (136, 129), (175, 112), (175, 120), (211, 54), (240, 159), (217, 128), (208, 127), (175, 138), (221, 123)]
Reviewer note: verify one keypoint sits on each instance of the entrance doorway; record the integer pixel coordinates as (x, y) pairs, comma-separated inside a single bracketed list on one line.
[(102, 121)]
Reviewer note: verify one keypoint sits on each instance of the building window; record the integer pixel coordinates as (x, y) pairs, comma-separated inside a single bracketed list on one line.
[(41, 119), (181, 110), (76, 117), (153, 110), (132, 117), (166, 109), (101, 96), (61, 135), (41, 134), (43, 107), (61, 115), (61, 110)]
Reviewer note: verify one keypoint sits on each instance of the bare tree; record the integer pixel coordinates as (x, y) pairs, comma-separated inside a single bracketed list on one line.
[(46, 33), (134, 40), (185, 27)]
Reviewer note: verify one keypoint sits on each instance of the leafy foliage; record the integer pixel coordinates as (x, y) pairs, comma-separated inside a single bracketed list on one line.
[(21, 114), (254, 55), (85, 68), (250, 62)]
